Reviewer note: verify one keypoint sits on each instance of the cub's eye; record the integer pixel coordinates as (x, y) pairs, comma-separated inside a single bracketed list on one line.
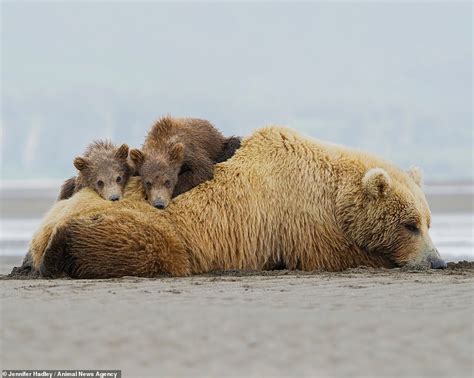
[(167, 183), (148, 185), (119, 179), (100, 183), (412, 228)]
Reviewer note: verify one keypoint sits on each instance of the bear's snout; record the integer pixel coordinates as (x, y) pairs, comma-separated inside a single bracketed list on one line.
[(434, 260), (114, 197), (159, 204), (437, 263)]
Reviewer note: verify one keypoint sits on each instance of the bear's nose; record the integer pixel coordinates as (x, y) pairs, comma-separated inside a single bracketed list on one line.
[(114, 197), (438, 264), (159, 204)]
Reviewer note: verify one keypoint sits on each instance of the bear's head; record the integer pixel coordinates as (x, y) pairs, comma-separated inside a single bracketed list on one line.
[(159, 172), (388, 214), (105, 170)]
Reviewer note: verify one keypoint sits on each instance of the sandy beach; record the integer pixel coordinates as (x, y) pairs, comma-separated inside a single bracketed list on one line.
[(361, 322)]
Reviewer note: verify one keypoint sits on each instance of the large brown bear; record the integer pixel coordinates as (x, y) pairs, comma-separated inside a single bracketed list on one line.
[(282, 200)]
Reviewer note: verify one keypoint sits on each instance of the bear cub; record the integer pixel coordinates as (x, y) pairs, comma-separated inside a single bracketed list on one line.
[(179, 154), (104, 168)]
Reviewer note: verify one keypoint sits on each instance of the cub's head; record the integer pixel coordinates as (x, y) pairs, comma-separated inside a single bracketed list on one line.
[(105, 169), (159, 173), (388, 215)]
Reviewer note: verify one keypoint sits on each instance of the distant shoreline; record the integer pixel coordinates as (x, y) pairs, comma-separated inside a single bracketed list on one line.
[(31, 199)]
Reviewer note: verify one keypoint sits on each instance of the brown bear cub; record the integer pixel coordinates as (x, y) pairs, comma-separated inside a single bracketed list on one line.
[(104, 168), (179, 154)]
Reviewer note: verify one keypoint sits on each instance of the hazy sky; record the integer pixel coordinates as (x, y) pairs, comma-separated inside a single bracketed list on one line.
[(391, 78)]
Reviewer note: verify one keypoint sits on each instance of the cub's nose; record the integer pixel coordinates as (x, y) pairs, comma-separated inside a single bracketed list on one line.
[(114, 198), (159, 204), (438, 264)]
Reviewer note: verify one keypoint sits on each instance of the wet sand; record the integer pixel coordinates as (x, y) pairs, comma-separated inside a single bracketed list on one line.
[(362, 322)]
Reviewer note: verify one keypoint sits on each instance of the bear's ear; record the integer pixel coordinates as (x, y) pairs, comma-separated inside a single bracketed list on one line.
[(417, 175), (137, 157), (177, 152), (122, 152), (80, 163), (376, 182)]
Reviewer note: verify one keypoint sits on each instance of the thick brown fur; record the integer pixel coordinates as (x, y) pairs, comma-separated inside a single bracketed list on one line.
[(67, 189), (282, 200), (179, 154), (104, 168), (231, 145)]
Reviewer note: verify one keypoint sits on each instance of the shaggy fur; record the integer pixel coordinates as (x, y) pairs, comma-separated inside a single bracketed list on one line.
[(231, 145), (282, 200), (68, 189), (179, 154), (103, 168)]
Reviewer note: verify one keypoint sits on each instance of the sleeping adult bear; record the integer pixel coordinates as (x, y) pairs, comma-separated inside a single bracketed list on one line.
[(282, 200)]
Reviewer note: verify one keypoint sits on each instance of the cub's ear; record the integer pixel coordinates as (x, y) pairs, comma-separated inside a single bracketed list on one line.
[(376, 182), (122, 152), (177, 152), (137, 157), (417, 175), (80, 163)]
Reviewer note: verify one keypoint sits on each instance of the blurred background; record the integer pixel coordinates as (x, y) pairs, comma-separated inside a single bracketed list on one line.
[(391, 78)]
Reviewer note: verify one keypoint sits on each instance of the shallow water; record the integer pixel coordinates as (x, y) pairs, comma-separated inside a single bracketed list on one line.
[(453, 235)]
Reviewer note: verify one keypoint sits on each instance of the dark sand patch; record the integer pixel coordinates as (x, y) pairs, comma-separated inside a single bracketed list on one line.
[(25, 272)]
